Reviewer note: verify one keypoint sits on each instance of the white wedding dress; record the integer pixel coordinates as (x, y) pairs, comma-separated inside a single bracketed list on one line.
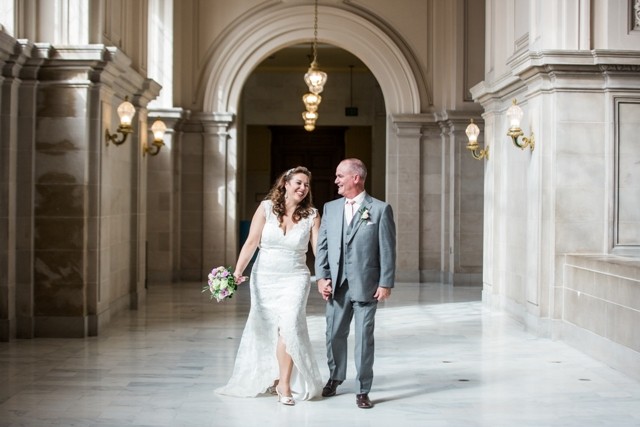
[(280, 282)]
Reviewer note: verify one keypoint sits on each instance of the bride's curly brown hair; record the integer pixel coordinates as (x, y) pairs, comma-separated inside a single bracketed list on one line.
[(277, 196)]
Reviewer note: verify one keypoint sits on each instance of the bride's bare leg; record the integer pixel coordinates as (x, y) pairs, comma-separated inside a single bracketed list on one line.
[(285, 364)]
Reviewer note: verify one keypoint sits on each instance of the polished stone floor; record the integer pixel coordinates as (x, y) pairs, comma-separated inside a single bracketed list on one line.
[(441, 360)]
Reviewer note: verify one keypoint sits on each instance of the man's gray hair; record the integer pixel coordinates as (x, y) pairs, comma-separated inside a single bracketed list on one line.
[(358, 167)]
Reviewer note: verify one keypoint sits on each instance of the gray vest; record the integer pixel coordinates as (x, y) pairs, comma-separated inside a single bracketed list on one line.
[(343, 274)]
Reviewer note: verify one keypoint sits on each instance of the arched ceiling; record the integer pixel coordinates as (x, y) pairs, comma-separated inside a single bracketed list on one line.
[(298, 58)]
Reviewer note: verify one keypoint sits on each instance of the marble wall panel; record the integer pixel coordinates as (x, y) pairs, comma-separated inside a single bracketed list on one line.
[(580, 107), (472, 203), (191, 254), (59, 200), (581, 137), (621, 290), (432, 161), (628, 172), (585, 311), (602, 294), (159, 180), (515, 290), (576, 237), (575, 204), (431, 184), (580, 171), (558, 302), (59, 203), (581, 280), (410, 202), (54, 270), (161, 221), (622, 326)]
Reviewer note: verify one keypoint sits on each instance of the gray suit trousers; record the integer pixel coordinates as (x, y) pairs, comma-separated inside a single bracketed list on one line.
[(341, 309)]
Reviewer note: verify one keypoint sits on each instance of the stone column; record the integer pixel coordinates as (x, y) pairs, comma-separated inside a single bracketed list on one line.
[(219, 203), (163, 213), (466, 196), (89, 207), (61, 201), (433, 248), (403, 185), (138, 266), (10, 65), (25, 195)]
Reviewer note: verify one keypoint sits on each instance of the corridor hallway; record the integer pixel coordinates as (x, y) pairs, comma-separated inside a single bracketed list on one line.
[(441, 360)]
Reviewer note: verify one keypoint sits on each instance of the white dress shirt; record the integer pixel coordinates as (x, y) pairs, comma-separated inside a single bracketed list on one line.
[(350, 213)]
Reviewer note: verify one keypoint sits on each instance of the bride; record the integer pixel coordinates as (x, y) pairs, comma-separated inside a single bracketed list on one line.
[(275, 353)]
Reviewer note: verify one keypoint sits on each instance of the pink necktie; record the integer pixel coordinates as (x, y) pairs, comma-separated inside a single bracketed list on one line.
[(349, 210)]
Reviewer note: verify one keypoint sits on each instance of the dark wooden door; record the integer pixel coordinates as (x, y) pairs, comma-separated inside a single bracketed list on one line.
[(319, 151)]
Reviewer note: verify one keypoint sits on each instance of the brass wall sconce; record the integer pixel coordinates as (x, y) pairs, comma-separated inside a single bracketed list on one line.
[(126, 111), (158, 128), (472, 133), (514, 113)]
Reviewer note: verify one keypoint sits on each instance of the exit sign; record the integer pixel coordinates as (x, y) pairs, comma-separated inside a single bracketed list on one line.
[(351, 111)]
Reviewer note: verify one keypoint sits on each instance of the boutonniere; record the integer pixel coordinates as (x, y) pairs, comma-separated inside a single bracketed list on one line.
[(364, 214)]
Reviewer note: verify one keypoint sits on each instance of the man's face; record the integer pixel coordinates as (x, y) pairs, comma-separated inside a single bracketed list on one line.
[(346, 181)]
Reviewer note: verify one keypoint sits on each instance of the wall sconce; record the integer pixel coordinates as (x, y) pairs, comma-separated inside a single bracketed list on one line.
[(514, 113), (126, 111), (472, 133), (158, 128)]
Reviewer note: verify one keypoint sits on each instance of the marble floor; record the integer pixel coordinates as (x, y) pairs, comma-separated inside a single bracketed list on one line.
[(441, 360)]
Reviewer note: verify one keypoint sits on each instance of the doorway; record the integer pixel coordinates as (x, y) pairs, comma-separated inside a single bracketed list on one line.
[(320, 151)]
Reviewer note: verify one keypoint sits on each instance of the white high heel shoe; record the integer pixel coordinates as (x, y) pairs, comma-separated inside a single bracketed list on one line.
[(285, 400)]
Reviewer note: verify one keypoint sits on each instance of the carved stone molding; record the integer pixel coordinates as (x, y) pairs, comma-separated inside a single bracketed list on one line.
[(620, 67)]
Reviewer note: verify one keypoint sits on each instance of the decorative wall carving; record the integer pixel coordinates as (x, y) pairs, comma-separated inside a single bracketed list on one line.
[(620, 67)]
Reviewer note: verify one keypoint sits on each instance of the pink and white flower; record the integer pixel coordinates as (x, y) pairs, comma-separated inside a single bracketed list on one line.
[(221, 283)]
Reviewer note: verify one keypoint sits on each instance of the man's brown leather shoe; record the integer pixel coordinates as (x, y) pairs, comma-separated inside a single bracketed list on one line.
[(362, 400), (331, 387)]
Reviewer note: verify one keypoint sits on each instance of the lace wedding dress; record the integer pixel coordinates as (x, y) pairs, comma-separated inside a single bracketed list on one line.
[(280, 283)]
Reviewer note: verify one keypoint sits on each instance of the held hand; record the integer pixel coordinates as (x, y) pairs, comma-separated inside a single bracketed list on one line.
[(239, 277), (324, 287), (382, 293)]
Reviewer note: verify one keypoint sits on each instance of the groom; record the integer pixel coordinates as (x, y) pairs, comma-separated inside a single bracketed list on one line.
[(355, 269)]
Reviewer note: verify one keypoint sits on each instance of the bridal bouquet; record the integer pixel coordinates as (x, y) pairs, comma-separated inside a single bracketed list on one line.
[(222, 284)]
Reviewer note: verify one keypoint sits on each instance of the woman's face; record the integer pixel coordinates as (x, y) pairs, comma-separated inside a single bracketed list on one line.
[(297, 187)]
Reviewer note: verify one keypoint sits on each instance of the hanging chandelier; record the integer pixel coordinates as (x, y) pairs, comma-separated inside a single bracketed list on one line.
[(315, 80)]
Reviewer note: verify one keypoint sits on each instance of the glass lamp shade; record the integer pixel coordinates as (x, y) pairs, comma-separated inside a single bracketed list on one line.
[(514, 113), (309, 116), (158, 128), (315, 79), (311, 101), (472, 132), (126, 111)]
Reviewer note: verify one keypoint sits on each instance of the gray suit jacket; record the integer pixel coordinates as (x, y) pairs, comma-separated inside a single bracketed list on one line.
[(370, 247)]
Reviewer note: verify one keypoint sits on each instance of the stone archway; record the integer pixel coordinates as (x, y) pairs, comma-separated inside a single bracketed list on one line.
[(239, 51)]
